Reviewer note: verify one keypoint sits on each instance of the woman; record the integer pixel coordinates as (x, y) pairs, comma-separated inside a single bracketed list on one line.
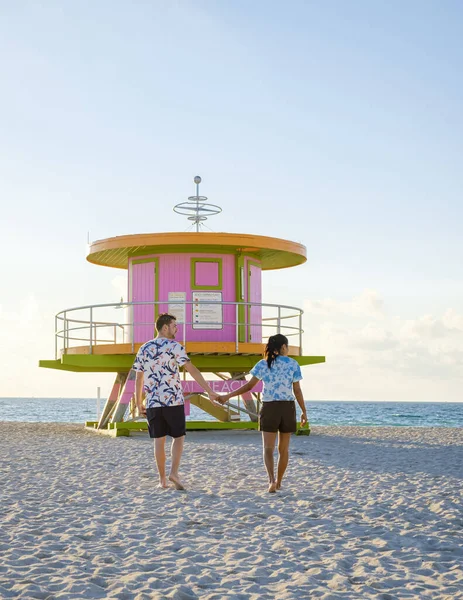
[(281, 376)]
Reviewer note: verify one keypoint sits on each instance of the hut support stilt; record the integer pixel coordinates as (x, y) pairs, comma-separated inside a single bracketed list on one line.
[(112, 400)]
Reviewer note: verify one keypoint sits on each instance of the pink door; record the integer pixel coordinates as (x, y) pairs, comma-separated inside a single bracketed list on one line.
[(143, 290), (254, 312)]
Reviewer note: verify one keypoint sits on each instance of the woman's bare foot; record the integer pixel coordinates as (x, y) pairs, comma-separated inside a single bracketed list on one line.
[(278, 485), (176, 481), (272, 488), (163, 484)]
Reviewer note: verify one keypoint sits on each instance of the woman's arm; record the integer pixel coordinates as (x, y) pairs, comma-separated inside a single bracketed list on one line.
[(300, 400), (247, 387)]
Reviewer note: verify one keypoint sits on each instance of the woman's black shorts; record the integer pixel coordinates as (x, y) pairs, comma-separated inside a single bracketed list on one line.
[(278, 415), (166, 420)]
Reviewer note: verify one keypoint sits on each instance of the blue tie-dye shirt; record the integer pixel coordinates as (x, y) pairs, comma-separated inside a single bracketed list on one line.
[(278, 380), (159, 360)]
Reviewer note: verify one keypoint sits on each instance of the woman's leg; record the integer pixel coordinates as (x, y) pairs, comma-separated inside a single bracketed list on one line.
[(268, 442), (283, 455)]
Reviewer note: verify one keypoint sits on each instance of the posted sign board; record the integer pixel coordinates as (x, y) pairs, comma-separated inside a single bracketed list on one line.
[(177, 305), (207, 316)]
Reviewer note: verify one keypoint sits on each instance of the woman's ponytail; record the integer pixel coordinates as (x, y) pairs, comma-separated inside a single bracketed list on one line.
[(273, 347)]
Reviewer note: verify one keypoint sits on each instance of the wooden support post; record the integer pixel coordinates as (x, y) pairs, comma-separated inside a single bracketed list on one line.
[(125, 395), (248, 400), (112, 400), (215, 410)]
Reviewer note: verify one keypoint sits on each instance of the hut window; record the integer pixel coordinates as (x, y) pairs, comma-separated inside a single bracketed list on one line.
[(206, 274)]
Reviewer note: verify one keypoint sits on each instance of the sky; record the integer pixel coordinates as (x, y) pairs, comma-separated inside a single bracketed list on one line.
[(334, 124)]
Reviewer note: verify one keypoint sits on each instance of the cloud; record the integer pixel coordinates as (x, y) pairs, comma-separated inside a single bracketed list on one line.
[(120, 284), (366, 304), (23, 331), (27, 335), (26, 316), (371, 337), (452, 320), (368, 350), (429, 327)]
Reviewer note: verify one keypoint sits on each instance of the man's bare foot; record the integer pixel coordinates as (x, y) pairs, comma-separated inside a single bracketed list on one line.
[(176, 481), (163, 484), (272, 488), (278, 485)]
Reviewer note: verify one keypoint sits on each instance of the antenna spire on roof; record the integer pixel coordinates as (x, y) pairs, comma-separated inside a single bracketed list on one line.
[(196, 208)]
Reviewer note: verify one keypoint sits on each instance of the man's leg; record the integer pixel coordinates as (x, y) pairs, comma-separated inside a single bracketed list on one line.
[(160, 457), (268, 441), (175, 418), (283, 455), (176, 455)]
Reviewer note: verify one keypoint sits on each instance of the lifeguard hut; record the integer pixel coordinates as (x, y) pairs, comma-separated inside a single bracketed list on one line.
[(212, 283)]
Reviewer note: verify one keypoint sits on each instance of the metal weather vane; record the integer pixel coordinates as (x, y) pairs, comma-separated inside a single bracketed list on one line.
[(196, 208)]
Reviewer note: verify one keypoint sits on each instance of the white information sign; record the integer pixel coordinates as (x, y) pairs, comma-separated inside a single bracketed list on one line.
[(207, 316), (177, 305)]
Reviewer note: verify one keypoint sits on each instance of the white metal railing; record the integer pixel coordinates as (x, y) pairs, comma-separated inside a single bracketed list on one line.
[(93, 324)]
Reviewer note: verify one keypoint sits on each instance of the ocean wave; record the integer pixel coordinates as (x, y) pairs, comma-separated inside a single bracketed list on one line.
[(407, 416)]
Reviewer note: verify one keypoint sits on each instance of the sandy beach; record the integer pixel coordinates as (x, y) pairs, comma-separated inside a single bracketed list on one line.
[(363, 513)]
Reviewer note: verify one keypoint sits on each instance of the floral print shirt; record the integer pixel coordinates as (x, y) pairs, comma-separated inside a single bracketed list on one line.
[(159, 360)]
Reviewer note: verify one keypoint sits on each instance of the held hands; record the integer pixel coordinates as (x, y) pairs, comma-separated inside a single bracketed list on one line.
[(213, 396), (221, 399), (141, 410)]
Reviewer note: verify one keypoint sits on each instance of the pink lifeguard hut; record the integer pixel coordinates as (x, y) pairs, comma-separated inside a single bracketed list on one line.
[(212, 283)]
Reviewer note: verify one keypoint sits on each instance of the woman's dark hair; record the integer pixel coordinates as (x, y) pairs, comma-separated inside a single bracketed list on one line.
[(273, 347)]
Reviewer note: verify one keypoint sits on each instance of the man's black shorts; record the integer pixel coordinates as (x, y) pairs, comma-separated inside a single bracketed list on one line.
[(166, 420)]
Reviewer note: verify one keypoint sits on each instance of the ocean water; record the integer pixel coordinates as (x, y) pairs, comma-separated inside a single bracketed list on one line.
[(397, 414)]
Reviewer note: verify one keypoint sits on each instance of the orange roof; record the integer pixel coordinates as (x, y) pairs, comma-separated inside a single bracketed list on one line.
[(274, 253)]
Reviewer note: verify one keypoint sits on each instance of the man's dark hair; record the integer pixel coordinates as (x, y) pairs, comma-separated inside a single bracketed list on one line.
[(164, 319)]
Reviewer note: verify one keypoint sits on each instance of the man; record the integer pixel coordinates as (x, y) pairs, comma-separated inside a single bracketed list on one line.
[(157, 366)]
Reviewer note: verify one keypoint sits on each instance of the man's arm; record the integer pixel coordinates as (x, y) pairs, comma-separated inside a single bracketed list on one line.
[(300, 400), (139, 381), (197, 376)]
